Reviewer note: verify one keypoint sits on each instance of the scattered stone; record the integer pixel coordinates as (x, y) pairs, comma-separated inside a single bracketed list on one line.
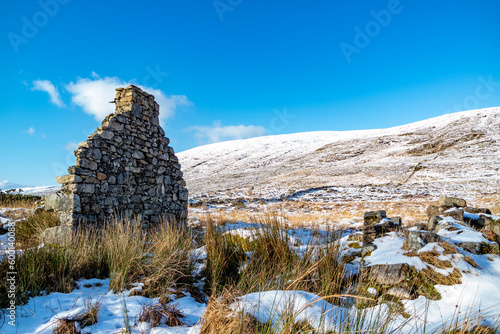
[(399, 292), (416, 240), (492, 225), (435, 210), (475, 220), (478, 248), (389, 274), (358, 236), (433, 222), (452, 202), (374, 217), (455, 213), (396, 220), (473, 210), (371, 232), (367, 249)]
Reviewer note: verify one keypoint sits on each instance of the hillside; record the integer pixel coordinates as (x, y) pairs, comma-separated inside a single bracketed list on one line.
[(456, 153)]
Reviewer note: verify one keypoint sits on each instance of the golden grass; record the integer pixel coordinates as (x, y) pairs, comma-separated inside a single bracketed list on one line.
[(219, 318), (301, 213), (431, 257)]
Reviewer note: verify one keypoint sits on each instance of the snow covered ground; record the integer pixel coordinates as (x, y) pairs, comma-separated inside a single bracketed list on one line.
[(456, 154), (477, 296)]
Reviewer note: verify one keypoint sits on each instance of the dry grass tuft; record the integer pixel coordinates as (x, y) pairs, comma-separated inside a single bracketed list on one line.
[(471, 261), (219, 318), (440, 279), (66, 326), (431, 257), (158, 313), (448, 248)]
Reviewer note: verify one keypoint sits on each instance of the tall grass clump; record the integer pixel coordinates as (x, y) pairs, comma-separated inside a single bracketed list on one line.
[(224, 258), (332, 276), (119, 251), (169, 262), (124, 245), (273, 264), (29, 229)]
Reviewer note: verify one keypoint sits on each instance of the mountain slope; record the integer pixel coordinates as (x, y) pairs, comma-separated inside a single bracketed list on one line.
[(456, 152)]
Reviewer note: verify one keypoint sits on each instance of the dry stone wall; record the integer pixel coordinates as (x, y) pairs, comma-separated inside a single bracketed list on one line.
[(125, 167)]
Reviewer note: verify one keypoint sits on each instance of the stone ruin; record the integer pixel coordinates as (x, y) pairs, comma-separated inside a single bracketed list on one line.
[(125, 168)]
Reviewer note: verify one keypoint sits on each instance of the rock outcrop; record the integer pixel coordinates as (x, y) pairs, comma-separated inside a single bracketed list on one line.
[(126, 167)]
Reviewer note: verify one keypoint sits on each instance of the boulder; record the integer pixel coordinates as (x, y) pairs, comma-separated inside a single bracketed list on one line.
[(435, 210), (371, 232), (397, 220), (433, 222), (358, 236), (475, 220), (389, 274), (374, 217), (455, 213), (399, 292), (477, 210), (491, 224), (416, 240), (367, 249), (452, 202), (442, 225), (478, 248)]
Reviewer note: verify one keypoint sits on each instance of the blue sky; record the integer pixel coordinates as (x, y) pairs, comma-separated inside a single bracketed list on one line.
[(228, 69)]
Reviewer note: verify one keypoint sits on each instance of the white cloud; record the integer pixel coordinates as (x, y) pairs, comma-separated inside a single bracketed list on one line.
[(217, 132), (70, 146), (3, 184), (31, 131), (93, 95), (48, 87)]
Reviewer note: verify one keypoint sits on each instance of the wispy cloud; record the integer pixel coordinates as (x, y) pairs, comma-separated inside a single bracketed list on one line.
[(31, 131), (93, 95), (217, 132), (70, 146), (49, 88), (3, 184)]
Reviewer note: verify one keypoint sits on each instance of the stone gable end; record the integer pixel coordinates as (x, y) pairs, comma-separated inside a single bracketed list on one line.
[(125, 167)]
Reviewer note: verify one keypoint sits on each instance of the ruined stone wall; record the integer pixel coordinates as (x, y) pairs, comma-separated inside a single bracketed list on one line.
[(125, 167)]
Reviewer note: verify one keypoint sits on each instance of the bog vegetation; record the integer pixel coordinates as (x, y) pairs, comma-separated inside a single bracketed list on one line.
[(163, 257)]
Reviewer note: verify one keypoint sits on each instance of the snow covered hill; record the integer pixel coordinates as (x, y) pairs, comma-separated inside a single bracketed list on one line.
[(455, 153)]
